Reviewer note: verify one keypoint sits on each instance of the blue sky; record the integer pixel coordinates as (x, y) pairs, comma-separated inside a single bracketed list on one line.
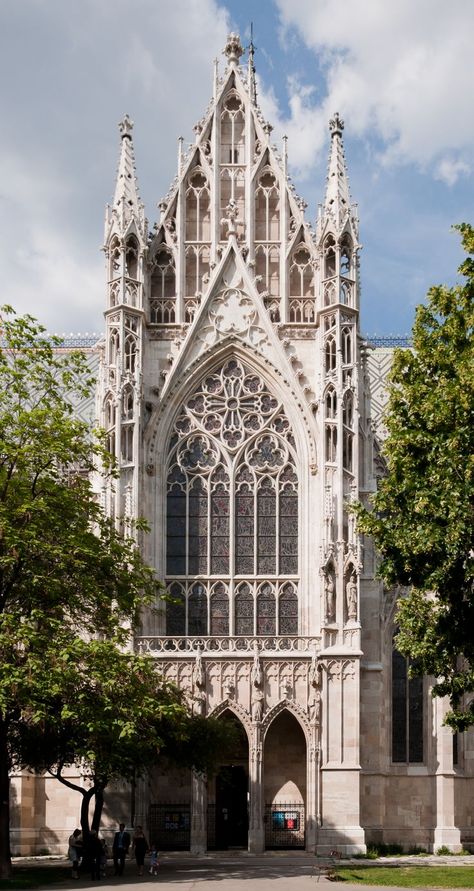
[(401, 75)]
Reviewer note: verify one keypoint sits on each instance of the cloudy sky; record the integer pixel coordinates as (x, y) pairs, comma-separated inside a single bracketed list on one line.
[(400, 74)]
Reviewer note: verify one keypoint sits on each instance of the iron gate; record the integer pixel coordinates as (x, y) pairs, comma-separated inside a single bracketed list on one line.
[(169, 826), (284, 825)]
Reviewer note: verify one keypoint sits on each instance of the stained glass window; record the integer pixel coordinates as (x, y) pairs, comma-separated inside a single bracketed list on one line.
[(407, 713), (176, 610), (232, 507), (288, 610)]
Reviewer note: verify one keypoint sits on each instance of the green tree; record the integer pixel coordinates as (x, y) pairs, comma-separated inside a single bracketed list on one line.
[(71, 587), (109, 713), (422, 515)]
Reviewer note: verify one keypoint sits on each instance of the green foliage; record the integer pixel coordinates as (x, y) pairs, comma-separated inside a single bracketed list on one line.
[(71, 588), (422, 515)]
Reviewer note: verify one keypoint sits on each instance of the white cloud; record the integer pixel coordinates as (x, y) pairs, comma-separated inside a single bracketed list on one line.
[(449, 170), (402, 71)]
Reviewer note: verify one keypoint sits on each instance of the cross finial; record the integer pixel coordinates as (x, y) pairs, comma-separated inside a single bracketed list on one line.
[(336, 125), (126, 126)]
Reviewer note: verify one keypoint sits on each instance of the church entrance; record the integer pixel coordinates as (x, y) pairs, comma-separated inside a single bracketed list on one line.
[(227, 821), (285, 783)]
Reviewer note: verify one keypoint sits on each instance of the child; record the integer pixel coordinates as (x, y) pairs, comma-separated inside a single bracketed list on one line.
[(154, 862)]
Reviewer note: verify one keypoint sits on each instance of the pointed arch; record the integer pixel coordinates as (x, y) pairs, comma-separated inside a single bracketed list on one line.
[(230, 705), (294, 709)]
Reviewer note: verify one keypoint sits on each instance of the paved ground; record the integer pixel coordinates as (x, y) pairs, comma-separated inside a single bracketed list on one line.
[(241, 872)]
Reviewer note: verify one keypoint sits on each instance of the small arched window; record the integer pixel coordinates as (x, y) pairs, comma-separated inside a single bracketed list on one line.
[(130, 354), (115, 257), (346, 337), (232, 130), (127, 404), (331, 443), (331, 403), (348, 411), (131, 257), (346, 257), (267, 207), (330, 353), (114, 345), (329, 257)]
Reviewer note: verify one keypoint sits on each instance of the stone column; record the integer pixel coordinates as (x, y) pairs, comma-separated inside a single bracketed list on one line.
[(256, 826), (198, 814), (312, 790), (445, 832)]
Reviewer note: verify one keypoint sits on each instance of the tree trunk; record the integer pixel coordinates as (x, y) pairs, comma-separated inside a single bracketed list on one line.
[(98, 805), (5, 854)]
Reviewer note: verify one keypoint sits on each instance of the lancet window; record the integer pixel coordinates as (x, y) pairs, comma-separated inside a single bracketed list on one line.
[(232, 509), (407, 712), (232, 130), (163, 288), (301, 306)]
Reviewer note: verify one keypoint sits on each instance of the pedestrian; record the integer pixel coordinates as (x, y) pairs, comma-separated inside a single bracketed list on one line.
[(140, 847), (154, 861), (103, 859), (75, 851), (120, 848), (94, 853)]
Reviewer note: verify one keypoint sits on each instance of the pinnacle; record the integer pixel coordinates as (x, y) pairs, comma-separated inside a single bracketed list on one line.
[(126, 188), (337, 198)]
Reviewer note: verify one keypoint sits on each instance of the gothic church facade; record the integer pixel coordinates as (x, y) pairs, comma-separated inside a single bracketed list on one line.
[(238, 397)]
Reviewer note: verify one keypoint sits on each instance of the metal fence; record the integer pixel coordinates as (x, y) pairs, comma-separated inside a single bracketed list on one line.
[(169, 826), (284, 825)]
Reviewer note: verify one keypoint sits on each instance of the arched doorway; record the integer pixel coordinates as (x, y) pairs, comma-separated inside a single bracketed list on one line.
[(227, 823), (284, 784)]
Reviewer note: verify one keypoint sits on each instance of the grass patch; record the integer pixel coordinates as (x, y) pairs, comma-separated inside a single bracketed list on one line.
[(409, 876), (36, 876)]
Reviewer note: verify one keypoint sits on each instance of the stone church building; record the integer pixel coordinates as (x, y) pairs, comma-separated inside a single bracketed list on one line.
[(244, 408)]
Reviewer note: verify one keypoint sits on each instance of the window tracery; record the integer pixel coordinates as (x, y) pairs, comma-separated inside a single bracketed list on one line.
[(163, 288), (302, 309), (232, 506)]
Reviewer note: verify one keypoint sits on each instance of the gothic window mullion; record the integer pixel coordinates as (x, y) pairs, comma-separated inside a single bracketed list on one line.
[(232, 516)]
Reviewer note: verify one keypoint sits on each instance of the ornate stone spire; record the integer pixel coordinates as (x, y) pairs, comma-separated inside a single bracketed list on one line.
[(127, 198), (251, 79), (338, 199), (233, 49)]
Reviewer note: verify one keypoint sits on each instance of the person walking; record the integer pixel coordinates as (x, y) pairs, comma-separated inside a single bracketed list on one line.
[(140, 847), (120, 848)]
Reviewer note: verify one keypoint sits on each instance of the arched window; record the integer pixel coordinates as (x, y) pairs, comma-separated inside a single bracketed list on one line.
[(176, 611), (131, 257), (346, 257), (197, 610), (115, 259), (302, 308), (163, 288), (331, 443), (232, 130), (232, 503), (219, 610), (130, 354), (348, 411), (329, 250), (267, 207), (331, 403), (114, 345), (109, 413), (346, 337), (407, 712), (198, 207), (127, 404), (330, 352), (288, 610)]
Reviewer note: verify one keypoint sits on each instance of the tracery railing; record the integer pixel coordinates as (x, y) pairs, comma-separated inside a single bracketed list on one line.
[(157, 646)]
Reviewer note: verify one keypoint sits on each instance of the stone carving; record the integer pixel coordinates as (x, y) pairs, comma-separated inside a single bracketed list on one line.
[(257, 674), (231, 218), (200, 702), (314, 706), (314, 674), (330, 595), (228, 688), (351, 598), (198, 672), (257, 704)]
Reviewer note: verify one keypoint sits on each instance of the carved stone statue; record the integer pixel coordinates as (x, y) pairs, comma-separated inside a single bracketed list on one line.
[(257, 675), (351, 597), (200, 703), (314, 674), (198, 673), (314, 706), (257, 704), (228, 688), (330, 596)]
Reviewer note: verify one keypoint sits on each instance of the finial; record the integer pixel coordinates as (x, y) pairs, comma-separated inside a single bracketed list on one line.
[(336, 125), (126, 127), (252, 84), (233, 48)]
